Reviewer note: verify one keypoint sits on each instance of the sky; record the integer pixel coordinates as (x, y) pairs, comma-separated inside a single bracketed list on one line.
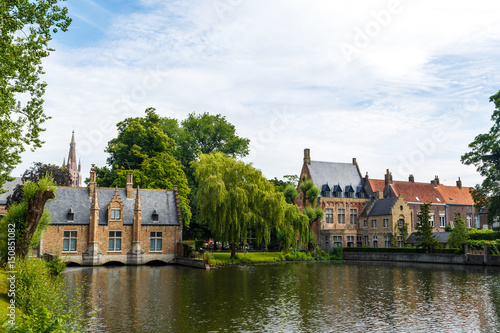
[(399, 85)]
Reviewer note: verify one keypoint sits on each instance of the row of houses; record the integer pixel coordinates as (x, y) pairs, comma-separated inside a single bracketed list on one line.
[(374, 212)]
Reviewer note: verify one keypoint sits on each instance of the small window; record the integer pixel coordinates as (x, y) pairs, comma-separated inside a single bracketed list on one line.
[(115, 241), (155, 241), (337, 241), (69, 241), (386, 223), (387, 241), (353, 216), (375, 241), (341, 216), (115, 214), (71, 215), (155, 216), (329, 215), (374, 223)]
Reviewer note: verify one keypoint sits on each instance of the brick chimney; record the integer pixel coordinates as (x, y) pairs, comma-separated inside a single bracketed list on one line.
[(130, 185), (388, 178), (411, 179), (92, 182), (459, 183), (307, 156), (435, 182)]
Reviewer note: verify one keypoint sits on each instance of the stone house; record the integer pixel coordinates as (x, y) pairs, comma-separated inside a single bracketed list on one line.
[(94, 226), (380, 221)]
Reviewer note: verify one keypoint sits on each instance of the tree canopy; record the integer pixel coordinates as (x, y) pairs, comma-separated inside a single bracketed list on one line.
[(26, 27), (484, 154), (235, 200), (459, 235)]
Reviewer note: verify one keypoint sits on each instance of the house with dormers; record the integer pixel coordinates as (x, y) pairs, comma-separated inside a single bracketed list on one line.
[(94, 226), (342, 197)]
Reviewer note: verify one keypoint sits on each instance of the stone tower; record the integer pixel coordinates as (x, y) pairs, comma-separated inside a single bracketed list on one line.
[(74, 169)]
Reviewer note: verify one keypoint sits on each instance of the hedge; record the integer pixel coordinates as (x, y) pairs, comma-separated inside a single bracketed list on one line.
[(488, 235)]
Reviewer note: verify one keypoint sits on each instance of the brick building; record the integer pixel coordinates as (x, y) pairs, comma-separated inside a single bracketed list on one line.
[(94, 226), (342, 198)]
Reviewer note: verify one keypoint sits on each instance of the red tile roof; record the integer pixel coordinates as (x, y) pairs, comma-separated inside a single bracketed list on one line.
[(455, 195), (426, 192)]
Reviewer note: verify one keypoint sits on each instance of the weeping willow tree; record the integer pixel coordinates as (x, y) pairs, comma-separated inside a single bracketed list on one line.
[(235, 200)]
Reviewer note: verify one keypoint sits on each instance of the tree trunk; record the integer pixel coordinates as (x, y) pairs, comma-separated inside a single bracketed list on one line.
[(33, 217), (233, 250)]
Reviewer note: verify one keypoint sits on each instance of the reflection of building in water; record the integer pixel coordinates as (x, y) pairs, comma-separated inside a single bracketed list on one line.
[(93, 226)]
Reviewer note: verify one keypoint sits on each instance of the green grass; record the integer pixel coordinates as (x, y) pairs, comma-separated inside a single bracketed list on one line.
[(224, 257), (4, 298)]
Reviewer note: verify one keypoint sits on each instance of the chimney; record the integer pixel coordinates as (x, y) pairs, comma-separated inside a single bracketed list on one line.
[(411, 179), (459, 183), (366, 177), (130, 185), (379, 195), (388, 178), (307, 156), (435, 182), (92, 182)]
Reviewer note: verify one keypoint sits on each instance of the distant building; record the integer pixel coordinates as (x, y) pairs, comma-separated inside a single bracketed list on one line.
[(94, 226), (9, 187)]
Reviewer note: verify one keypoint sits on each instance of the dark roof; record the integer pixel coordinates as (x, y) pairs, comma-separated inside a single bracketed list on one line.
[(442, 237), (382, 207), (349, 189), (343, 174), (325, 188), (78, 199), (9, 187)]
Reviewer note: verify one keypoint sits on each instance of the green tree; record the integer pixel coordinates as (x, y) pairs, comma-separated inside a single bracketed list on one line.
[(26, 27), (484, 154), (235, 200), (425, 238), (459, 235), (138, 139), (290, 194)]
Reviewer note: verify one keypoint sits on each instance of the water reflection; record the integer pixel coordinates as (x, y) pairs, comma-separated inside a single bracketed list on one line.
[(302, 297)]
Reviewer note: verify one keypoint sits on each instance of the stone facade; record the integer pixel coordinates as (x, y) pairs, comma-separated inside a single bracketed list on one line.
[(93, 226)]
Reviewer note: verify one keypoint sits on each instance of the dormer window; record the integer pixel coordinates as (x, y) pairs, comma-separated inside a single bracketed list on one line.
[(71, 215), (155, 216), (115, 214)]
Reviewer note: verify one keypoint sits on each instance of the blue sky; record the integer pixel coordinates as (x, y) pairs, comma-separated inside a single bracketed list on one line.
[(400, 85)]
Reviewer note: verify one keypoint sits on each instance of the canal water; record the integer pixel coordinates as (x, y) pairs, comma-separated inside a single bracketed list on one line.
[(294, 297)]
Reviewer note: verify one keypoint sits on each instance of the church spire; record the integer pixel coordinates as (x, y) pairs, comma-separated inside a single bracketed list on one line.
[(74, 169)]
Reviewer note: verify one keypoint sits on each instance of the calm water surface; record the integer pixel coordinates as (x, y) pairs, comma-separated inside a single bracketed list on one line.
[(300, 297)]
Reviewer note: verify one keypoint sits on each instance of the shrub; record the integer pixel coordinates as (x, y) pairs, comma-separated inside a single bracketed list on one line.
[(56, 265), (189, 246)]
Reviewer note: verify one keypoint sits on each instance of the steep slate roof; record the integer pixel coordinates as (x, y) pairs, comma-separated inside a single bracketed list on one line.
[(9, 187), (77, 198), (442, 237), (456, 196), (343, 174), (382, 207)]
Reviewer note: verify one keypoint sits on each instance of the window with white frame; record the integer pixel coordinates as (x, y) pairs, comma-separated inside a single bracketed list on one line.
[(367, 241), (155, 241), (387, 241), (337, 241), (431, 220), (115, 241), (115, 214), (374, 223), (354, 216), (341, 216), (365, 223), (329, 215), (442, 220), (69, 241), (386, 223), (469, 220), (375, 241), (476, 221)]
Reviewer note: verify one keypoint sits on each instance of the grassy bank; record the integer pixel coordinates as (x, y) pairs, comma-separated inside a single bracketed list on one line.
[(217, 258)]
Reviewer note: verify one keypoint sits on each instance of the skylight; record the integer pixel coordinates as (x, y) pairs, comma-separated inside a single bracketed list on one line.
[(417, 198)]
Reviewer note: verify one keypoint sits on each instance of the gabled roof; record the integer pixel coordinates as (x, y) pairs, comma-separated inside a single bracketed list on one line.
[(382, 207), (343, 174), (78, 199), (442, 237), (411, 192), (455, 195)]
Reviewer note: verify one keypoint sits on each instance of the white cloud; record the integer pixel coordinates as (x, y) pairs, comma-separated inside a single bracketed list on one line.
[(428, 67)]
